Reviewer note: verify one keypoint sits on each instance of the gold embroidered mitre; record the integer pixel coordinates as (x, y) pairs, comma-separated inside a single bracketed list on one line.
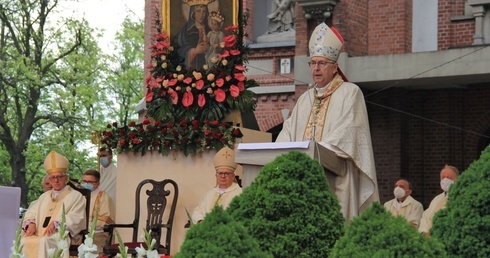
[(225, 158), (326, 42), (55, 162)]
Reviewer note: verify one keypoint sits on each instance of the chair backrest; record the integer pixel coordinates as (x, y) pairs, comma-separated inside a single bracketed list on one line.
[(161, 202), (86, 193)]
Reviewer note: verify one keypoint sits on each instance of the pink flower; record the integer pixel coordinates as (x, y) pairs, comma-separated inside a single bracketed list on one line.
[(219, 95), (201, 100), (229, 40), (199, 84), (240, 67), (239, 76), (234, 52), (172, 82), (210, 77), (174, 97), (241, 86), (188, 80), (187, 99), (234, 91), (220, 82), (148, 78), (149, 96)]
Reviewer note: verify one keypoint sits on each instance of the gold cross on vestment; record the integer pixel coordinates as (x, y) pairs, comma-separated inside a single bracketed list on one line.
[(226, 154)]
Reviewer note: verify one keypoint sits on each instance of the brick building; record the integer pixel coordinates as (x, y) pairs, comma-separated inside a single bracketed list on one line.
[(422, 65)]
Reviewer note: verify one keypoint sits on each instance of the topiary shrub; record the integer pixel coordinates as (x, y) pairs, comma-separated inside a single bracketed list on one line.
[(377, 233), (289, 208), (464, 225), (219, 235)]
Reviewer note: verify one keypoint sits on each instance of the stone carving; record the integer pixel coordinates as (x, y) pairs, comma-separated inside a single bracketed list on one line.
[(282, 17)]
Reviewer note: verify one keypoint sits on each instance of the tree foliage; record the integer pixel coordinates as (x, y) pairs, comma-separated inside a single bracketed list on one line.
[(464, 225), (377, 233), (219, 235), (289, 208), (52, 92)]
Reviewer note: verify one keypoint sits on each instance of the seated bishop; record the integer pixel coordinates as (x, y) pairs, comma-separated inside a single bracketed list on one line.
[(42, 220)]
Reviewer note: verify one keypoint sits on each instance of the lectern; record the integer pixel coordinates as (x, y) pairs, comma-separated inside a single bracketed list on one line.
[(253, 156)]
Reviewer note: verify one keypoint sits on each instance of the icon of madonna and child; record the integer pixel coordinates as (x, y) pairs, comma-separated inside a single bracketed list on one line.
[(198, 40)]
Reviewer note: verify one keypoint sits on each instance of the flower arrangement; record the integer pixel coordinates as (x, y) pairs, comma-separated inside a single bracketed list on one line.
[(16, 249), (175, 92), (189, 137), (188, 105), (87, 249)]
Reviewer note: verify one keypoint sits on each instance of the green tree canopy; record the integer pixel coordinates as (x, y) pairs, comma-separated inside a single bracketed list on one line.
[(464, 225), (378, 234), (290, 209), (219, 235)]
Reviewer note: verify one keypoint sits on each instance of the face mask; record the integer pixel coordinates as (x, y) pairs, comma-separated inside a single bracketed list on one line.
[(88, 186), (104, 161), (399, 192), (446, 183)]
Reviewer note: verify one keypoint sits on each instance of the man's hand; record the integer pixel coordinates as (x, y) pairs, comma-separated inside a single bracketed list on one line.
[(50, 230), (31, 230)]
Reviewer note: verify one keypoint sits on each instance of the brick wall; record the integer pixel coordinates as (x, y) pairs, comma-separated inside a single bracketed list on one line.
[(350, 18), (454, 33)]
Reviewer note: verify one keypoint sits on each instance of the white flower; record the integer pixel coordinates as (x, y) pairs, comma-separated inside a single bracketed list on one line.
[(62, 245), (51, 252), (152, 254), (141, 251)]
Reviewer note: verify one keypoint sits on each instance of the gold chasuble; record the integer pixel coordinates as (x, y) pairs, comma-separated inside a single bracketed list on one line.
[(319, 112), (47, 209), (340, 122)]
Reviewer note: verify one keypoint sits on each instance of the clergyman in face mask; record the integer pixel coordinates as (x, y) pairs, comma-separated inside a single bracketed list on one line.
[(100, 201), (404, 204), (108, 175), (448, 175)]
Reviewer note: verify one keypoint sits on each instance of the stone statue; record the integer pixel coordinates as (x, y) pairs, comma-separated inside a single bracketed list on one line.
[(282, 17)]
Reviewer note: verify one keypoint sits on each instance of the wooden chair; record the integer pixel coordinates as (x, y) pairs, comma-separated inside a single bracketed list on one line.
[(73, 250), (163, 195)]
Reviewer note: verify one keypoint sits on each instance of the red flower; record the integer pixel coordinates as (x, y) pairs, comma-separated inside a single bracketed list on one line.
[(140, 130), (146, 122), (132, 124), (136, 140), (239, 76), (219, 95), (155, 144), (224, 54), (220, 82), (199, 84), (114, 124), (170, 125), (234, 52), (108, 134), (187, 99), (164, 131), (157, 123), (122, 142), (207, 132), (201, 100), (234, 91), (132, 135), (148, 78), (229, 40), (231, 28)]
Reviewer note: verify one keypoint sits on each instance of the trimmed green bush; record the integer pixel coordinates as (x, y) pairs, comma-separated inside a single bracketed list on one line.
[(219, 235), (289, 208), (377, 233), (464, 225)]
